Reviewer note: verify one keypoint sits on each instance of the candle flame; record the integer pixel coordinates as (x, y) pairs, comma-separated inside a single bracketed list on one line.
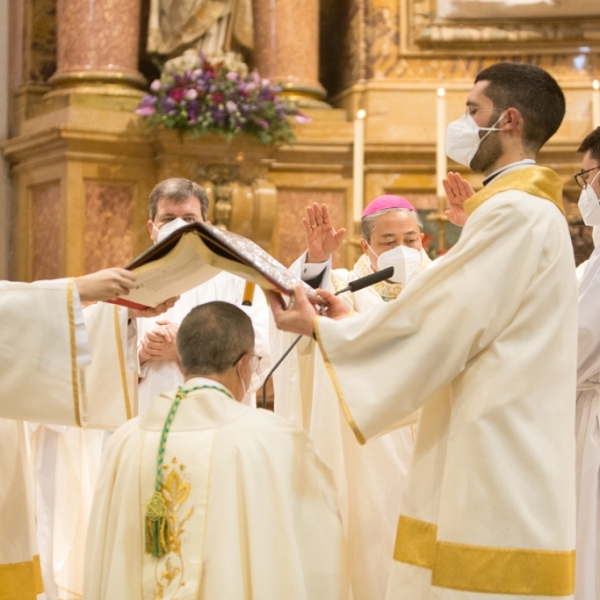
[(361, 114), (441, 92), (596, 84)]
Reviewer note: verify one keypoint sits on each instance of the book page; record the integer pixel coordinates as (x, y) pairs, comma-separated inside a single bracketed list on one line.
[(177, 272)]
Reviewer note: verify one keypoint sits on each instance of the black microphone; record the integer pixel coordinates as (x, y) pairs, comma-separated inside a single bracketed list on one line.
[(353, 286), (372, 279)]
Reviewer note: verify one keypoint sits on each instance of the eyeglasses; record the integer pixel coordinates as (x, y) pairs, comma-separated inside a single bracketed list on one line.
[(581, 178), (254, 361)]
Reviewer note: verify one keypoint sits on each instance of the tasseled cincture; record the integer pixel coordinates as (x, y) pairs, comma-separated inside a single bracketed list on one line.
[(157, 526)]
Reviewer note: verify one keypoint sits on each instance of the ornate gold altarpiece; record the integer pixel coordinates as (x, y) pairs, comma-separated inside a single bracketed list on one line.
[(83, 164)]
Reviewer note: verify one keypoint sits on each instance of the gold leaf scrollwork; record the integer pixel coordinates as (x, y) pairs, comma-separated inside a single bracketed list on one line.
[(170, 569)]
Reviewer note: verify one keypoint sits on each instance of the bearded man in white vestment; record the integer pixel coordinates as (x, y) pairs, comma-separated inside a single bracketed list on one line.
[(247, 508), (485, 344), (53, 358), (370, 479), (173, 203), (588, 385)]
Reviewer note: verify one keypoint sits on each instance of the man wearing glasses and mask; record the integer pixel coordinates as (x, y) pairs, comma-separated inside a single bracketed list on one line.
[(203, 497), (588, 384), (370, 479), (173, 203)]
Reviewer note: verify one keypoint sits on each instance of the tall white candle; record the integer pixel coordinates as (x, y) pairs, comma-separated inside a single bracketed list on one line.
[(596, 104), (441, 160), (359, 164)]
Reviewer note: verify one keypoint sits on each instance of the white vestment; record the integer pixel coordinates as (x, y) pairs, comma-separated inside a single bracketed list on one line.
[(370, 479), (484, 343), (47, 377), (587, 432), (251, 506), (158, 376)]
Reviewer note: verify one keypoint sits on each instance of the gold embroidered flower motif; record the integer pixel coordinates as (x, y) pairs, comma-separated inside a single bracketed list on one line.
[(170, 568)]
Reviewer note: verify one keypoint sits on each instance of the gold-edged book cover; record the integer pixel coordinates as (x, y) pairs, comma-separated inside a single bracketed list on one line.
[(197, 252)]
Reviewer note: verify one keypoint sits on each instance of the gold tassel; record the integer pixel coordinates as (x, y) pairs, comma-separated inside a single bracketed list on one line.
[(157, 526)]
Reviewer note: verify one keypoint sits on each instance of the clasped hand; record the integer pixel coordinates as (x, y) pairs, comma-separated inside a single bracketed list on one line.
[(159, 343)]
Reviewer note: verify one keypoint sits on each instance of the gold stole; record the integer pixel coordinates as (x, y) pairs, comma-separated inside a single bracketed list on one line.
[(537, 181)]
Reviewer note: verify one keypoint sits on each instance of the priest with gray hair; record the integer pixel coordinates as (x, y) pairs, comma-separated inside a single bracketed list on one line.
[(203, 497), (370, 479)]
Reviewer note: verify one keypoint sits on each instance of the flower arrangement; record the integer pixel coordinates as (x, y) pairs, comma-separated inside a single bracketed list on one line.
[(197, 95)]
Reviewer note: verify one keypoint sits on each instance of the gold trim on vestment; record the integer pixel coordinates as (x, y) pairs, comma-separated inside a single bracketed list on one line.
[(537, 181), (338, 390), (21, 580), (37, 574), (485, 569), (122, 364), (74, 369)]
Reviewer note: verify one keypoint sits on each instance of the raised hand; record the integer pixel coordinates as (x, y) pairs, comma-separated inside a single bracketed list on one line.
[(106, 284), (458, 190), (321, 238)]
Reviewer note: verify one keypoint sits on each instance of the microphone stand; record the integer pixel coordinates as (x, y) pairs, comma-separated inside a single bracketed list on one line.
[(353, 286)]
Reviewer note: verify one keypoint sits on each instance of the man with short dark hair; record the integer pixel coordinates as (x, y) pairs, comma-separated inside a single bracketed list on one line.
[(485, 344), (173, 203), (203, 498), (587, 428)]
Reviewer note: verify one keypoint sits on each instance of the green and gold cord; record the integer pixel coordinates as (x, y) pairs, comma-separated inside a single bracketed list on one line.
[(158, 540)]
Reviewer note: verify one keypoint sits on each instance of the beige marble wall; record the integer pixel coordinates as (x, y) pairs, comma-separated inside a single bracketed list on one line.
[(109, 235), (45, 229), (289, 240)]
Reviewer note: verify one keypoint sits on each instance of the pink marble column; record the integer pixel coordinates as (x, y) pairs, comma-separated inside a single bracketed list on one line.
[(286, 47), (97, 43)]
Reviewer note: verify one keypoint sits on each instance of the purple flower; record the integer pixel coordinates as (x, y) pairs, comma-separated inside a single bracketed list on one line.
[(302, 118), (145, 111), (262, 123)]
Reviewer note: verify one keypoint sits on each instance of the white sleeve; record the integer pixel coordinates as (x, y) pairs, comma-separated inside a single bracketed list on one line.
[(84, 356), (307, 271)]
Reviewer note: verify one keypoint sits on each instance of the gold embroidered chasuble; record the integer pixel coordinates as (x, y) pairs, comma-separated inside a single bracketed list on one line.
[(484, 342), (251, 506), (41, 381)]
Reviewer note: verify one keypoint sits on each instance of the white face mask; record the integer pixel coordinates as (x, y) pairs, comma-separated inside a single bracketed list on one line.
[(167, 229), (462, 138), (255, 379), (589, 205), (406, 262)]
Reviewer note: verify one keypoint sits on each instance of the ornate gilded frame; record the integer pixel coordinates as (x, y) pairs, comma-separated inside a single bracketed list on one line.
[(422, 33)]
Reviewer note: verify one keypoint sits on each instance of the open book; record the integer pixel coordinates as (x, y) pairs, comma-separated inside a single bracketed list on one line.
[(197, 252)]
